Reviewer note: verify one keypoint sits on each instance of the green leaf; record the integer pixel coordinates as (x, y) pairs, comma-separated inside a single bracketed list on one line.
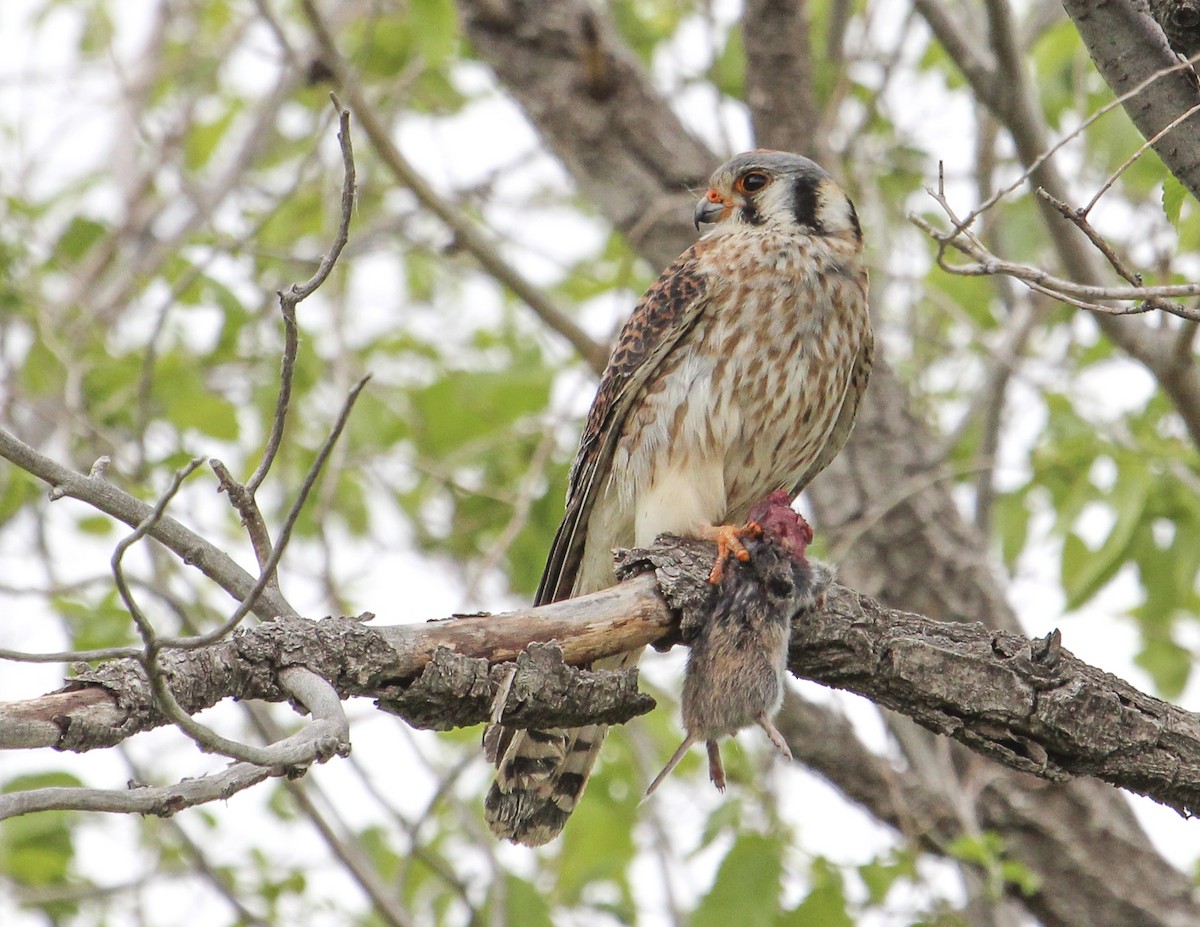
[(77, 239), (435, 35), (95, 624), (728, 71), (988, 852), (1084, 572), (38, 849), (204, 138), (881, 874), (1012, 517), (746, 890), (1173, 193), (524, 904), (825, 903), (1167, 663), (465, 405), (206, 412)]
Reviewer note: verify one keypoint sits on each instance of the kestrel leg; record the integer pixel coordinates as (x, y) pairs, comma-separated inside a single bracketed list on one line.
[(729, 543)]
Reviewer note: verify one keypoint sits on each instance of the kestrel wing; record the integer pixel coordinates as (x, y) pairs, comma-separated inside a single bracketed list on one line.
[(661, 319), (857, 385)]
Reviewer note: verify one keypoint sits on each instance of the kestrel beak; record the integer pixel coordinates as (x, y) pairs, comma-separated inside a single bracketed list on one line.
[(711, 207)]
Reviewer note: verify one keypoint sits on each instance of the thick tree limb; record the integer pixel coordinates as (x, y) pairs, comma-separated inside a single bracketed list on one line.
[(778, 43), (1029, 705), (1128, 47)]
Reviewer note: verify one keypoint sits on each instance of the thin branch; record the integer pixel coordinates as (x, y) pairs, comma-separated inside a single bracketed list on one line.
[(223, 882), (1142, 149), (529, 490), (1126, 45), (285, 535), (1078, 294), (1029, 705), (1036, 163), (104, 497), (329, 732), (348, 851), (292, 297), (1078, 217), (164, 801), (255, 595), (243, 501), (156, 514), (465, 233), (958, 41)]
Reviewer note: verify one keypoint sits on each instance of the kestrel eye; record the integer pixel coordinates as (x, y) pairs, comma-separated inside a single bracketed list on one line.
[(752, 181)]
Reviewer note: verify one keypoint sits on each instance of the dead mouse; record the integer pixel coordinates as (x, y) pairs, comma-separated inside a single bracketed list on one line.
[(739, 644)]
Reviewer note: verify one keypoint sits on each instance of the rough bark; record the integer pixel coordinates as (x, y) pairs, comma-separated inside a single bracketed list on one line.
[(1128, 47), (1029, 705), (776, 36)]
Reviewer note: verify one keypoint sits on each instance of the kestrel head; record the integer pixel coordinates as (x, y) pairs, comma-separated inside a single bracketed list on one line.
[(763, 187)]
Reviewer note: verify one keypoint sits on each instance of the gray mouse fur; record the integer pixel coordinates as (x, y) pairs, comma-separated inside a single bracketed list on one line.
[(739, 645)]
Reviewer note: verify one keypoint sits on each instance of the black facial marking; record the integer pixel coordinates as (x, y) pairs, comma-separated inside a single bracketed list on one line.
[(854, 220), (751, 214), (804, 195)]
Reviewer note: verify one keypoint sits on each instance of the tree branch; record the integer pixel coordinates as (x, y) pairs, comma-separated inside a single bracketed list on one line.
[(1129, 48), (779, 54), (107, 498), (1029, 705), (465, 232)]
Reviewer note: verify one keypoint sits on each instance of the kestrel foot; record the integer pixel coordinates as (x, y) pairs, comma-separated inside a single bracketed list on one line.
[(716, 770), (776, 738), (729, 543)]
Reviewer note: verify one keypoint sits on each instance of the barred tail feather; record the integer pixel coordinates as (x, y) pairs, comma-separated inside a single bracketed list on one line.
[(540, 777)]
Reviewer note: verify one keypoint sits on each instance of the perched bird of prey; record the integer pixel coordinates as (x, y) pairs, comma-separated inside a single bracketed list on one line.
[(738, 374)]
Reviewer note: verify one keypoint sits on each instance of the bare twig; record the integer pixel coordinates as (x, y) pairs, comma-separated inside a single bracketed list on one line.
[(328, 733), (1077, 294), (1142, 149), (465, 233), (242, 499), (1032, 167), (285, 534), (289, 299), (165, 800), (104, 497), (143, 625), (222, 881), (255, 596), (1078, 217)]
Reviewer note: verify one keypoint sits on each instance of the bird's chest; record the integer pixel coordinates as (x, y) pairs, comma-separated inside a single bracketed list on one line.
[(749, 395)]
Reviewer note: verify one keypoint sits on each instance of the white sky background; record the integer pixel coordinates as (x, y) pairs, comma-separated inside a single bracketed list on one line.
[(68, 127)]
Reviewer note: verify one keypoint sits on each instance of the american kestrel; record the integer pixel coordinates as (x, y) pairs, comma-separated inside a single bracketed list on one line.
[(738, 374)]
